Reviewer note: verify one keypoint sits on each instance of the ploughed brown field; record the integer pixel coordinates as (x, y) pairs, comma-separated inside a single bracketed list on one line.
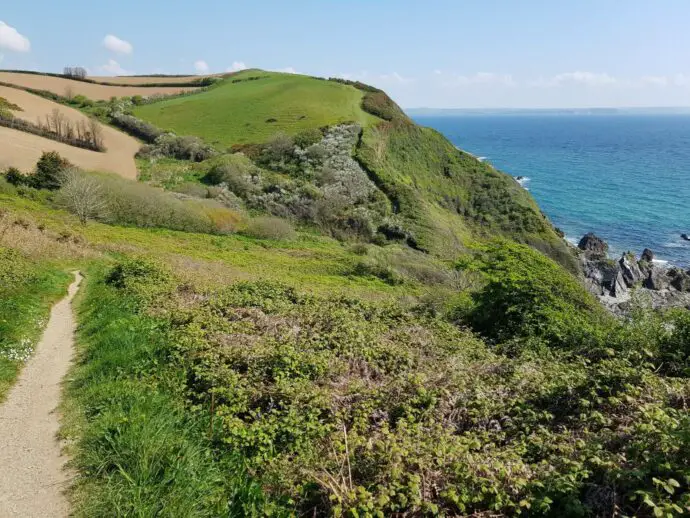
[(22, 150), (65, 87), (130, 80)]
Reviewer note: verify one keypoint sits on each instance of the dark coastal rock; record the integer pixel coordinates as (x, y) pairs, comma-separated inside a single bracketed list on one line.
[(632, 274), (680, 280), (593, 246), (657, 279), (685, 236), (604, 278), (647, 255), (627, 283)]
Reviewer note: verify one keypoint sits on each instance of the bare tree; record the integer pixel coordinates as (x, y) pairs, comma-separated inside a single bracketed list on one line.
[(78, 72), (56, 121), (96, 131), (82, 195), (69, 93)]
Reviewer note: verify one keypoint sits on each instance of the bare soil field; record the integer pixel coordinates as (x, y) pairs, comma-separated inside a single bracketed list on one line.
[(22, 150), (130, 80), (62, 86)]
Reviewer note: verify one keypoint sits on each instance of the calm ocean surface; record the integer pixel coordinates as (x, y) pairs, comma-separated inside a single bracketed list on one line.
[(623, 177)]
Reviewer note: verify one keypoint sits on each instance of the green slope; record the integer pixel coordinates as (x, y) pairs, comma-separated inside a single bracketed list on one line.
[(442, 200), (246, 110), (445, 196)]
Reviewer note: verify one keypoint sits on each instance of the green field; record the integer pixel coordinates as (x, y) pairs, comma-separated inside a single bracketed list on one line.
[(251, 111)]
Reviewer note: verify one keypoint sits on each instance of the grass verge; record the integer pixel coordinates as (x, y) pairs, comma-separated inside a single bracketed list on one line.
[(139, 453), (27, 292)]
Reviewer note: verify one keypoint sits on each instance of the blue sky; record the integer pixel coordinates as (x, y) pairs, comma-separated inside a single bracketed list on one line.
[(432, 53)]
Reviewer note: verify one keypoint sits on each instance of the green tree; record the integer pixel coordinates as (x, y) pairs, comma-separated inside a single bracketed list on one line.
[(49, 171)]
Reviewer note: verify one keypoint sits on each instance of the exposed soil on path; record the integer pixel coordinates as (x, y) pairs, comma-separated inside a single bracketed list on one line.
[(33, 476)]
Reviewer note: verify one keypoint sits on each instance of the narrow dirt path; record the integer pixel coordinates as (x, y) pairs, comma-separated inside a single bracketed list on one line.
[(32, 475)]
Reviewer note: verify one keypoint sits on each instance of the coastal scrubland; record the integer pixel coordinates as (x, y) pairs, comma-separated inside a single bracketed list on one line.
[(336, 315)]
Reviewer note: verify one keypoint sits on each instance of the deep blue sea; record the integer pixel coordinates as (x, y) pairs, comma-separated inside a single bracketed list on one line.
[(624, 177)]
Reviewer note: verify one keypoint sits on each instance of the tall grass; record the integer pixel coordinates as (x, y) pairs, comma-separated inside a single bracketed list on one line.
[(139, 452), (127, 203), (27, 291)]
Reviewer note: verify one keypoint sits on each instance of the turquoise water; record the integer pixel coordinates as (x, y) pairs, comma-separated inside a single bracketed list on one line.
[(624, 177)]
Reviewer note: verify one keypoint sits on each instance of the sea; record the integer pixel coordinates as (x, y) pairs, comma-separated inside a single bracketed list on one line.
[(625, 177)]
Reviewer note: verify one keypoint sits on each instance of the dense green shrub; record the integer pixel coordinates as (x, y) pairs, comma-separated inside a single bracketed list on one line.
[(674, 346), (278, 152), (529, 296), (15, 177), (306, 138), (266, 227), (182, 148), (237, 172), (373, 268), (49, 171), (127, 203), (136, 127), (355, 408)]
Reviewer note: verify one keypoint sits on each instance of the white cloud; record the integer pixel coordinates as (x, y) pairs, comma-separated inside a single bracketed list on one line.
[(236, 66), (654, 80), (10, 39), (287, 70), (201, 67), (113, 68), (579, 77), (115, 44), (396, 78), (437, 72), (681, 80), (481, 78)]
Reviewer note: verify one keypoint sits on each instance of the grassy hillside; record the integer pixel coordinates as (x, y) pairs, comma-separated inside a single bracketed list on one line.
[(252, 106), (441, 200), (445, 195), (244, 373)]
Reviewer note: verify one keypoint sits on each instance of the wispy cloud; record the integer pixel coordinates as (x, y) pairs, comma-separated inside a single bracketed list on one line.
[(113, 68), (11, 39), (654, 80), (288, 70), (579, 77), (681, 80), (117, 45), (395, 77), (236, 66), (201, 67), (480, 78)]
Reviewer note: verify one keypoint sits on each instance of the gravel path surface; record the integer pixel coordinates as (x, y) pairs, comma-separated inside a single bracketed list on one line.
[(32, 475)]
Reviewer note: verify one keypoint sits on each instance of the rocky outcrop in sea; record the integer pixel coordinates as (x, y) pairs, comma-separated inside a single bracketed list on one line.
[(618, 282)]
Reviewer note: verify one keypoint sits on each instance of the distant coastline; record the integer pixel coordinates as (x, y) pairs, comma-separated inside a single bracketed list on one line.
[(454, 112)]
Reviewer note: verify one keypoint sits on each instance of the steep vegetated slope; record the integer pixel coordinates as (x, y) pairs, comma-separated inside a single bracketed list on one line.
[(69, 87), (439, 199)]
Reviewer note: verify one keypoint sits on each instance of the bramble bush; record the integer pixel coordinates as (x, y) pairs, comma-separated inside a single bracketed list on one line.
[(528, 296), (347, 407)]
